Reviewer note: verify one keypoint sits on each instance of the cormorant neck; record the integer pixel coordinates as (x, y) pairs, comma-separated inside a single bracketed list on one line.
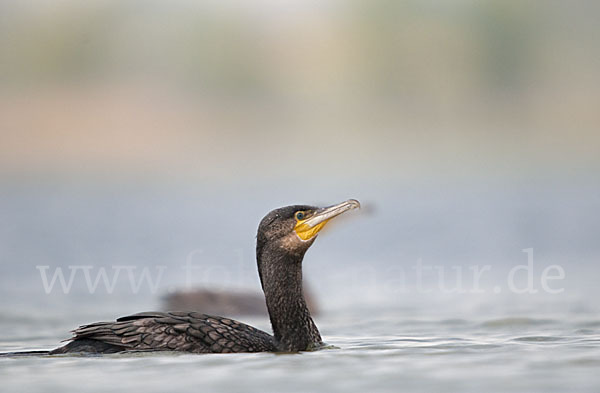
[(281, 277)]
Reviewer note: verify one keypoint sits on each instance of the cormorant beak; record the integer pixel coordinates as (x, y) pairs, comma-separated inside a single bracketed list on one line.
[(308, 228)]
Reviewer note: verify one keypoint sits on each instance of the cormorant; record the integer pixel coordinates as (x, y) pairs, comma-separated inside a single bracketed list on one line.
[(284, 235), (228, 302)]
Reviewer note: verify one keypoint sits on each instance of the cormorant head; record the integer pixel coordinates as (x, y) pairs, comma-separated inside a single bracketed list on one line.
[(293, 229)]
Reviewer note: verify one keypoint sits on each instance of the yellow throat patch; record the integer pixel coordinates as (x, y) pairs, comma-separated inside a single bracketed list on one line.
[(306, 232)]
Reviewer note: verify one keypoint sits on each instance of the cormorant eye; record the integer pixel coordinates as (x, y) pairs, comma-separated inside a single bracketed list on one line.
[(299, 216)]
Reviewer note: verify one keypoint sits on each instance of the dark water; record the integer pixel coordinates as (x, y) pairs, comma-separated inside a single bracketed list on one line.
[(389, 333)]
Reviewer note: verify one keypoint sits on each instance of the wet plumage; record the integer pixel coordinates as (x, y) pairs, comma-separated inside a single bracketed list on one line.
[(169, 331)]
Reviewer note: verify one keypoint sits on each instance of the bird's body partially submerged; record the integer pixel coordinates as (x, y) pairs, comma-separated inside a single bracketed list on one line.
[(169, 331), (284, 236)]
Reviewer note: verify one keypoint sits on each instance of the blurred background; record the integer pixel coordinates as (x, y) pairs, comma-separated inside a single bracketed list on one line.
[(151, 133)]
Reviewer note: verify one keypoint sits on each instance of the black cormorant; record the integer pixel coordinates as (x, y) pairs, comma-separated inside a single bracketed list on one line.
[(228, 302), (284, 235)]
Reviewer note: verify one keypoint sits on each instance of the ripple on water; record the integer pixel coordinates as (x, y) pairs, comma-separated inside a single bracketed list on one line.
[(516, 322), (537, 339)]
